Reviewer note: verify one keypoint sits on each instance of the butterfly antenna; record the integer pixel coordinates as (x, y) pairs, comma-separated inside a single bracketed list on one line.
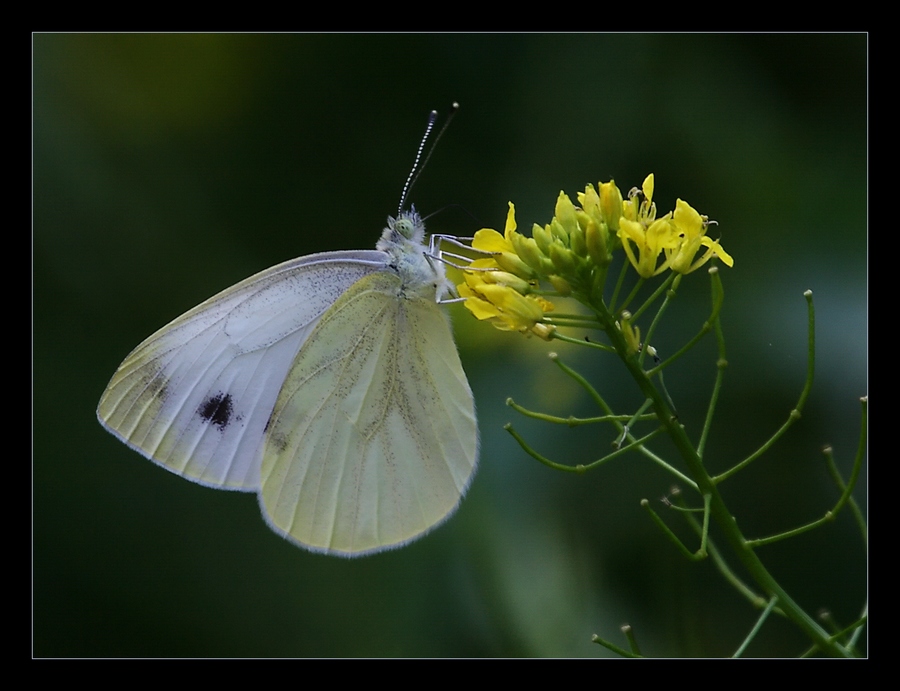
[(417, 169)]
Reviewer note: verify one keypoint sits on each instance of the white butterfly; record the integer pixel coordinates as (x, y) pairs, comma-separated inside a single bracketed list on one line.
[(330, 385)]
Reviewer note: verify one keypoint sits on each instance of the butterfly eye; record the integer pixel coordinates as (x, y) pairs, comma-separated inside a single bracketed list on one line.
[(405, 227)]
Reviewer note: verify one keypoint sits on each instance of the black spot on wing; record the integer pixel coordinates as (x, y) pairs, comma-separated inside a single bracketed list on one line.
[(217, 410), (159, 388)]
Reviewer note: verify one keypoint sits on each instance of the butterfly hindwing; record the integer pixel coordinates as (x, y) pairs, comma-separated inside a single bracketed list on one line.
[(373, 439)]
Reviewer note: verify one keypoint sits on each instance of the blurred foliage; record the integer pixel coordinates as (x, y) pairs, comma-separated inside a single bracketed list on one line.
[(168, 167)]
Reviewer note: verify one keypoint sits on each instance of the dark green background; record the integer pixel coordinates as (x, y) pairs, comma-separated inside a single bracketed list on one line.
[(168, 167)]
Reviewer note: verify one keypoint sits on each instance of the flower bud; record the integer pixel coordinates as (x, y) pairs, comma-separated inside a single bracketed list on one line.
[(564, 216), (504, 278), (596, 239), (543, 238), (577, 242), (559, 232), (528, 252), (513, 264), (560, 285), (611, 204), (563, 259)]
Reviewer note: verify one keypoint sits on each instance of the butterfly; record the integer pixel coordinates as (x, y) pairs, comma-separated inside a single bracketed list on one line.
[(330, 385)]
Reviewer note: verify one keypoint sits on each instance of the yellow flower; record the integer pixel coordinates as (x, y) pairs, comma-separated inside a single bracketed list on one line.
[(498, 296), (641, 211), (650, 243), (640, 227), (503, 247), (690, 229), (573, 251)]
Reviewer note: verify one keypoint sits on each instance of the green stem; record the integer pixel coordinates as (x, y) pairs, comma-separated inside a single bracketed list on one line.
[(858, 630), (756, 627), (623, 272), (663, 287), (839, 481), (846, 493), (580, 468), (577, 341), (730, 576), (721, 365), (718, 508), (631, 295), (577, 421), (612, 646), (657, 319), (693, 556), (704, 329), (794, 415), (632, 640)]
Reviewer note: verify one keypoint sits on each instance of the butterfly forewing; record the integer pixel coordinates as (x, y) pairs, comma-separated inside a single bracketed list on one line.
[(373, 438), (196, 396)]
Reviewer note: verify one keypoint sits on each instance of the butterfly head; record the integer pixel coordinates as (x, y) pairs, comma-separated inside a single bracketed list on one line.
[(407, 227)]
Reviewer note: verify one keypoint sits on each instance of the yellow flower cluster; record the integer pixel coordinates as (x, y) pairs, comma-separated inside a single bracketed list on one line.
[(574, 250), (497, 288), (679, 235)]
